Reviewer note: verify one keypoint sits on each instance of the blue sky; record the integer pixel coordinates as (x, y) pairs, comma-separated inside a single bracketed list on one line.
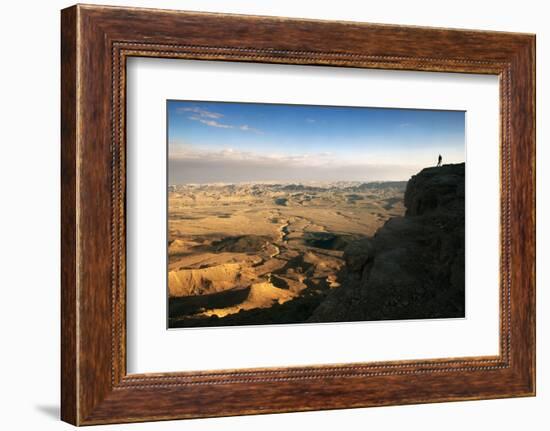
[(240, 142)]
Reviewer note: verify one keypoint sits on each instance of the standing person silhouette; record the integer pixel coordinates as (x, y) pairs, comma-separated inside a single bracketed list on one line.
[(439, 160)]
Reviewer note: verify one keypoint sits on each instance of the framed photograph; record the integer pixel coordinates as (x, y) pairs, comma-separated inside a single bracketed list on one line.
[(321, 214), (285, 214)]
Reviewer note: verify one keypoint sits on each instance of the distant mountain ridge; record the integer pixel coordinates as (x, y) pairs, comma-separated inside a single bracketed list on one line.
[(351, 186)]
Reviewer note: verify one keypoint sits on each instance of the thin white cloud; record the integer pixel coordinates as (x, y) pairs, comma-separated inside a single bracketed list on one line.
[(211, 123), (322, 159), (182, 151), (310, 120), (210, 118), (247, 128), (204, 113)]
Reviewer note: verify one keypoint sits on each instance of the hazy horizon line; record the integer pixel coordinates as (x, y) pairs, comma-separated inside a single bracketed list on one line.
[(275, 182)]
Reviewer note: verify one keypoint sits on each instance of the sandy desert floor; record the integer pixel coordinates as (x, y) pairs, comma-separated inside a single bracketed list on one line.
[(234, 249)]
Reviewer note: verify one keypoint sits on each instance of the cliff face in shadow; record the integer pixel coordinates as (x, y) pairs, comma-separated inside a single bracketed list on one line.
[(413, 267)]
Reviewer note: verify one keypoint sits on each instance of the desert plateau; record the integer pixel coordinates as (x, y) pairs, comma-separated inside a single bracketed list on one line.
[(241, 254), (235, 248)]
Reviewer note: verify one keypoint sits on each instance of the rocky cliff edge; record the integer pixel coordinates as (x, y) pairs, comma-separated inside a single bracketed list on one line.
[(413, 267)]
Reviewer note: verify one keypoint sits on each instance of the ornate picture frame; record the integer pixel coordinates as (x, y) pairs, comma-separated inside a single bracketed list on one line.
[(96, 41)]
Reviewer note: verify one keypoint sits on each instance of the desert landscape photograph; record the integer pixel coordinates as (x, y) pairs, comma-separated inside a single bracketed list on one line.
[(288, 214)]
